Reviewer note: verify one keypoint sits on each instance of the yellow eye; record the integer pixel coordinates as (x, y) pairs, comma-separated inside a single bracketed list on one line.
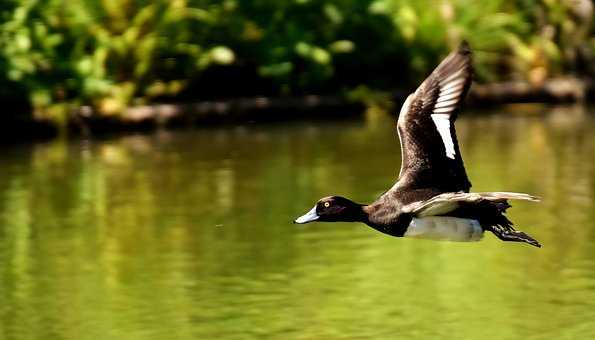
[(327, 204)]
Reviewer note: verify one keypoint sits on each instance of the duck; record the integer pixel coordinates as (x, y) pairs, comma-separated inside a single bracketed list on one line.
[(431, 197)]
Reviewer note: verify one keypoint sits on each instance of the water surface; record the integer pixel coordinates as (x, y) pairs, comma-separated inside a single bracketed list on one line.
[(188, 235)]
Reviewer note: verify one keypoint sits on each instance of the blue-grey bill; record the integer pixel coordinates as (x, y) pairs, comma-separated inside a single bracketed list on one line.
[(307, 217)]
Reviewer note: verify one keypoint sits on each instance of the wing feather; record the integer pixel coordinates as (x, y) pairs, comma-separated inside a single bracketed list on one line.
[(446, 103), (429, 147), (447, 202)]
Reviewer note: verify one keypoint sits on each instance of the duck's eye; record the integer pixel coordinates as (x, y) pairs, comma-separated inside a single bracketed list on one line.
[(327, 204)]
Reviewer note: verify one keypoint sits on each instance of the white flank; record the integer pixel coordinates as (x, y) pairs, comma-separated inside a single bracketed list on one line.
[(443, 125), (445, 228)]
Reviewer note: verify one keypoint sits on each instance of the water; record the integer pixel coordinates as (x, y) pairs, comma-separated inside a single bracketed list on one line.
[(188, 235)]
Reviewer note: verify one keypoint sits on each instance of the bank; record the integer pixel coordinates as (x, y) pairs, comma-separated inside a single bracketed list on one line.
[(86, 120)]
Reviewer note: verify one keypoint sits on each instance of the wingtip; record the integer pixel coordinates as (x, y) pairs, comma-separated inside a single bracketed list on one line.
[(533, 198), (464, 47), (530, 198)]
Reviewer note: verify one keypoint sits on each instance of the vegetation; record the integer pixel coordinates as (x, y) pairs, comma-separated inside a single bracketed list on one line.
[(113, 53)]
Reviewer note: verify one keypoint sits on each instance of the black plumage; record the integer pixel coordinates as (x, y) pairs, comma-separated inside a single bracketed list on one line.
[(432, 180)]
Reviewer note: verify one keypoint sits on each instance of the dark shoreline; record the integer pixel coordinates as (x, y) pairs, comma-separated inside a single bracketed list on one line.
[(234, 111), (264, 109)]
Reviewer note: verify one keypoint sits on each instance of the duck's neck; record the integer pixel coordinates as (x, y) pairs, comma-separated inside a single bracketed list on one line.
[(363, 214), (385, 220), (353, 212)]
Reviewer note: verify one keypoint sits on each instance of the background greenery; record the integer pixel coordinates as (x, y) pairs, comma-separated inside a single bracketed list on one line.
[(114, 53)]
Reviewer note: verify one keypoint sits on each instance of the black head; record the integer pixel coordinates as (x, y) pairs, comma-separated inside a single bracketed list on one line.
[(333, 209)]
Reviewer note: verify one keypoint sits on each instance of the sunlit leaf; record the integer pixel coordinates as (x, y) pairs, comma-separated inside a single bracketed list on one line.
[(222, 55)]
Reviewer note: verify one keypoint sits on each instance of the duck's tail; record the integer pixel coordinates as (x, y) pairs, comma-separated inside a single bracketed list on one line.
[(503, 228), (486, 207), (510, 234)]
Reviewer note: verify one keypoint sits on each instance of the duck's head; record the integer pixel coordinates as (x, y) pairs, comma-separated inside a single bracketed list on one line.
[(333, 209)]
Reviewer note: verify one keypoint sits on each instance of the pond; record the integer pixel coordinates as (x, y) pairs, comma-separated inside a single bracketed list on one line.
[(187, 234)]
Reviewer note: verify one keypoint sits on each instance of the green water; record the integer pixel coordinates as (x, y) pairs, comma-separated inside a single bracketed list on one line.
[(188, 235)]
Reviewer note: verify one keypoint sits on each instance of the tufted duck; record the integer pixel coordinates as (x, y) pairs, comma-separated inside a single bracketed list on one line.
[(431, 197)]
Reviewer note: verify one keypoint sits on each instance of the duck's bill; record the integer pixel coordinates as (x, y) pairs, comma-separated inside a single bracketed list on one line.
[(307, 217)]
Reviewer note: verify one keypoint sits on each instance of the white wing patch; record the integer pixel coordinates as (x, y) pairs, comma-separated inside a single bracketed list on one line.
[(442, 122), (450, 94)]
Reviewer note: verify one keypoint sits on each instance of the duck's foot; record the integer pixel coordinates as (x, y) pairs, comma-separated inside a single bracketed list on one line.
[(513, 236)]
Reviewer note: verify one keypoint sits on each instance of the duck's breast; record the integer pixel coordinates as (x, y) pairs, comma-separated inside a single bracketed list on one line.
[(445, 228)]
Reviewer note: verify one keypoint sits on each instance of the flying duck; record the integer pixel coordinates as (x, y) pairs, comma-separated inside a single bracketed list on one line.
[(431, 197)]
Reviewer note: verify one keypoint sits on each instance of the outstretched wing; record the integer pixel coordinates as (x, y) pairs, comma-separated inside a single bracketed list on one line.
[(429, 148), (450, 201)]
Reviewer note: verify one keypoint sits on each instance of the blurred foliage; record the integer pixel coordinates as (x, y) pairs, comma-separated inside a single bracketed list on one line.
[(113, 53)]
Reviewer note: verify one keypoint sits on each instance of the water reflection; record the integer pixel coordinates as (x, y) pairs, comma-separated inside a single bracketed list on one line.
[(187, 234)]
